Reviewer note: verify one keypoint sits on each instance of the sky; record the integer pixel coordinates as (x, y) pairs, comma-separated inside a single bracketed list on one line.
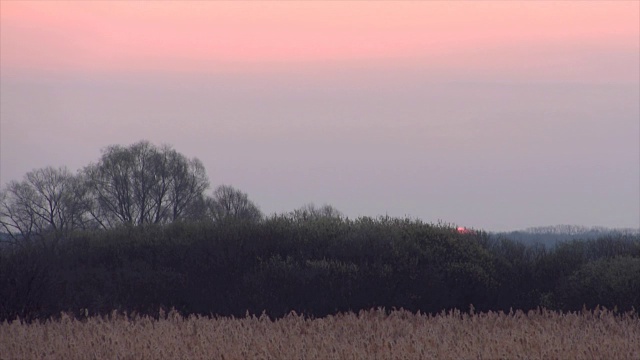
[(496, 115)]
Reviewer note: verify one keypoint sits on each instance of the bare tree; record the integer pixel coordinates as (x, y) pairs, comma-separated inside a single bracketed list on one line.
[(143, 184), (111, 186), (17, 217), (188, 181), (46, 201), (228, 202)]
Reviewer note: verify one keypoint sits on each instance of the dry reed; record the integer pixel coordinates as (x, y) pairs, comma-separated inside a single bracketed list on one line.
[(374, 334)]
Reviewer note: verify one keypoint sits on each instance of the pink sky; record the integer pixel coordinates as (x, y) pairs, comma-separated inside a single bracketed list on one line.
[(213, 37), (490, 114)]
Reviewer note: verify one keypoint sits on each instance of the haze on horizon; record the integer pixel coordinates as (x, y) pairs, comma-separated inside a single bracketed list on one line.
[(494, 115)]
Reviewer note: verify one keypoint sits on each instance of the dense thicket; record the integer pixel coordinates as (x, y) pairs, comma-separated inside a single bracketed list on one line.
[(550, 236), (314, 265)]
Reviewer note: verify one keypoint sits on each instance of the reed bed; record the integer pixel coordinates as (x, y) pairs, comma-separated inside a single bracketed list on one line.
[(374, 334)]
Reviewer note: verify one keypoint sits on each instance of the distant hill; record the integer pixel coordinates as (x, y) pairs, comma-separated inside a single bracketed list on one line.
[(550, 236)]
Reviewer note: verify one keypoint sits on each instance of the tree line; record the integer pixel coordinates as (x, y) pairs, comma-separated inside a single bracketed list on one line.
[(549, 236), (136, 232), (316, 265)]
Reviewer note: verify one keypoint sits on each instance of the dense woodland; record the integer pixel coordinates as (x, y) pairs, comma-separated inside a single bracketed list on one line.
[(136, 232)]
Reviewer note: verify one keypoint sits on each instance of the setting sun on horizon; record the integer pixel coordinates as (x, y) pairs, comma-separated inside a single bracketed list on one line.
[(227, 171)]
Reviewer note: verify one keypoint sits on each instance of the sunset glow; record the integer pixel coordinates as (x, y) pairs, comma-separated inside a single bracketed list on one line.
[(97, 36), (493, 114)]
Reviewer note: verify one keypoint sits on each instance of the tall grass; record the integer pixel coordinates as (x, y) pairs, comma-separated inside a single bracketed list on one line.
[(374, 334)]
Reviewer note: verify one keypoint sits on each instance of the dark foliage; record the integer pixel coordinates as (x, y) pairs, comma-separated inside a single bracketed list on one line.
[(314, 265)]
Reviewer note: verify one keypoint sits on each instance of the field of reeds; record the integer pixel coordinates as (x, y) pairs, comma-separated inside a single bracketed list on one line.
[(374, 334)]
